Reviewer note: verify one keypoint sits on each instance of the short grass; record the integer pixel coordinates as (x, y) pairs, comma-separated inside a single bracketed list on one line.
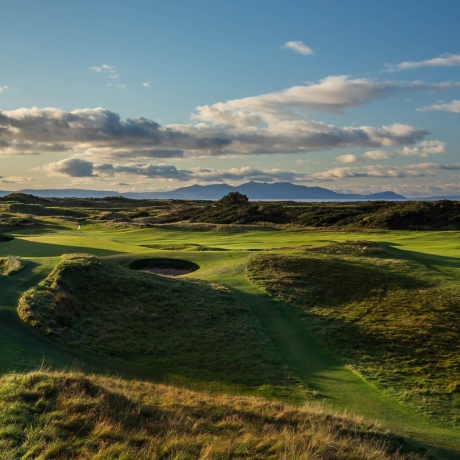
[(66, 415), (392, 319), (192, 328)]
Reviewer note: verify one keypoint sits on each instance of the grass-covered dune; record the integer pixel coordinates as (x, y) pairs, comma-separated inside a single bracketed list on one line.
[(392, 319), (10, 265), (188, 327), (65, 415), (21, 211)]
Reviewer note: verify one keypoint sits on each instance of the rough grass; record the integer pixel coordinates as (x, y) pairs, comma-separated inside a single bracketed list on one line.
[(10, 265), (393, 320), (50, 415), (191, 328)]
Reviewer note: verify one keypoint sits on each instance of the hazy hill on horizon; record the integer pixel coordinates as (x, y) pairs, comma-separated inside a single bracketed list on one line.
[(253, 190)]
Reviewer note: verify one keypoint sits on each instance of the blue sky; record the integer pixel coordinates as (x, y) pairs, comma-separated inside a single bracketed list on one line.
[(359, 96)]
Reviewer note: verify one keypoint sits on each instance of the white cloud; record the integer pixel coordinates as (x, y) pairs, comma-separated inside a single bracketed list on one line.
[(100, 132), (108, 70), (384, 172), (376, 155), (332, 94), (299, 47), (146, 84), (445, 60), (4, 88), (425, 148), (349, 158), (452, 106)]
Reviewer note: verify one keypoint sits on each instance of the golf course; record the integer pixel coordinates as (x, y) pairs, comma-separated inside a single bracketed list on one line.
[(183, 337)]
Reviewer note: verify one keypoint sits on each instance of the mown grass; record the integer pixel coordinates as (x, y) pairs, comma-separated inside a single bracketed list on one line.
[(67, 415), (192, 328), (391, 319), (439, 251)]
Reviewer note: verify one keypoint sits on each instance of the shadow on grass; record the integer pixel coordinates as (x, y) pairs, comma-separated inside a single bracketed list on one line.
[(431, 261), (327, 282), (25, 248)]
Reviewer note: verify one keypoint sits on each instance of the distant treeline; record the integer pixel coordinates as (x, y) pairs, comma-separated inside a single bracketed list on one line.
[(17, 210)]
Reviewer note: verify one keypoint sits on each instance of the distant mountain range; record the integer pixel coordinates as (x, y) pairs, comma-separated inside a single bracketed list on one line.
[(253, 190)]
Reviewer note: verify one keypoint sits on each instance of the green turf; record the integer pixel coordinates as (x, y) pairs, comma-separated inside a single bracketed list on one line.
[(439, 252), (387, 317), (188, 327)]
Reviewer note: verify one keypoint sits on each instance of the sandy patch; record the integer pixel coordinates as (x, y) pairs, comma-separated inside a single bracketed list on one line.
[(166, 271)]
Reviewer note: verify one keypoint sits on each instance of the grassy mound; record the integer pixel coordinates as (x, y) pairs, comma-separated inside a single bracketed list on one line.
[(10, 265), (68, 415), (391, 319), (187, 327)]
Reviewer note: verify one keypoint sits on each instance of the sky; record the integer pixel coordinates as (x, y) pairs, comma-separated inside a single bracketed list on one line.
[(355, 96)]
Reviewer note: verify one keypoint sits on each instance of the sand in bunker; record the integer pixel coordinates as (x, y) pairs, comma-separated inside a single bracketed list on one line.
[(166, 271)]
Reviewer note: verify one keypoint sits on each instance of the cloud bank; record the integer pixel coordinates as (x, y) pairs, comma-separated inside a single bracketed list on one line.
[(77, 168), (102, 133)]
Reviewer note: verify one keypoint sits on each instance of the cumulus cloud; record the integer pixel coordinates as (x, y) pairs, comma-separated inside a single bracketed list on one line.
[(452, 106), (349, 158), (376, 155), (71, 167), (369, 155), (425, 148), (146, 84), (100, 132), (107, 70), (445, 60), (299, 47), (4, 88), (52, 129)]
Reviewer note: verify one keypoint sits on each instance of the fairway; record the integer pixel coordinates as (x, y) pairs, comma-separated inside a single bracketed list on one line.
[(222, 258)]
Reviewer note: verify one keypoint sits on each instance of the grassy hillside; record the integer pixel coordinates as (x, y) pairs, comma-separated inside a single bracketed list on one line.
[(392, 319), (187, 327), (22, 211), (52, 415)]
